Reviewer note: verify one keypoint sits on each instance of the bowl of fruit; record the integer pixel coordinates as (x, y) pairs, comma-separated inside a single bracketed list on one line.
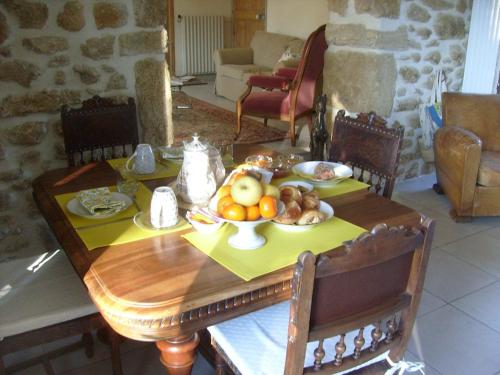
[(246, 202)]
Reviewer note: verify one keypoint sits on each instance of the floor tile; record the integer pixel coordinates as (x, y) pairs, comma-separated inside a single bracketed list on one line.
[(429, 303), (481, 250), (455, 344), (428, 369), (483, 305), (450, 278)]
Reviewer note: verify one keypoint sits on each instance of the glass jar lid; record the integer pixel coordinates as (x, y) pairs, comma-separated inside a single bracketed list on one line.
[(195, 144)]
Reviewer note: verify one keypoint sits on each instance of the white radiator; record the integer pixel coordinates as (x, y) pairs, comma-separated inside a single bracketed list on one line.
[(201, 35)]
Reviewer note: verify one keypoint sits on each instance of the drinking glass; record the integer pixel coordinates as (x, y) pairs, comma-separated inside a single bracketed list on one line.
[(163, 212)]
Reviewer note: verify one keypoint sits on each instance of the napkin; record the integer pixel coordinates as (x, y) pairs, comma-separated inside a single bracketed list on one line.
[(99, 201)]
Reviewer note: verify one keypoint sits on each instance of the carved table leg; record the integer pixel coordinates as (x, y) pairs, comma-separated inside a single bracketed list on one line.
[(178, 354)]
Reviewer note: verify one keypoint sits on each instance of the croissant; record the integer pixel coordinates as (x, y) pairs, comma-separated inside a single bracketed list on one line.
[(311, 217), (289, 194), (310, 201), (291, 215)]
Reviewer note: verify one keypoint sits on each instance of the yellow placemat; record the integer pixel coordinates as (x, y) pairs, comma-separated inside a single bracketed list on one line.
[(165, 168), (347, 186), (117, 229), (281, 249)]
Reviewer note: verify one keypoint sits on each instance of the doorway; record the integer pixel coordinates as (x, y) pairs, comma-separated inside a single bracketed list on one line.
[(248, 17)]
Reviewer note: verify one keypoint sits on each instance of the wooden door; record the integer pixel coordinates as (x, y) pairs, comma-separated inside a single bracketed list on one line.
[(170, 55), (248, 17)]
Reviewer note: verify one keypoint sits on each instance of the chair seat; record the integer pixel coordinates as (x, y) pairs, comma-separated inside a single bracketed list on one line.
[(273, 103), (489, 169), (39, 291), (256, 342), (239, 71)]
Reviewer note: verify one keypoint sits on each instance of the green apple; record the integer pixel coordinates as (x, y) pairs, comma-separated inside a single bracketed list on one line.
[(271, 190), (246, 191)]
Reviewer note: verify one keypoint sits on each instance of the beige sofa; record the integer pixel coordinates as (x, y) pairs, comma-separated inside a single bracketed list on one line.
[(267, 53)]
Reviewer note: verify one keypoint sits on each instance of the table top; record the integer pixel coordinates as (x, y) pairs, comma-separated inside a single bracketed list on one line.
[(163, 286)]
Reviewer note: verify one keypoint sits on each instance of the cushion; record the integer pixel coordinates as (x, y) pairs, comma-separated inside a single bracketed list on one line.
[(268, 47), (489, 169), (237, 71), (256, 342), (274, 102), (39, 291)]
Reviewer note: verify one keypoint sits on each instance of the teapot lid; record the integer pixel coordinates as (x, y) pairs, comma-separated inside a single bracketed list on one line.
[(195, 144)]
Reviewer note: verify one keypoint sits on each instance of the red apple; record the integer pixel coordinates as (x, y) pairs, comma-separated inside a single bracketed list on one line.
[(246, 191)]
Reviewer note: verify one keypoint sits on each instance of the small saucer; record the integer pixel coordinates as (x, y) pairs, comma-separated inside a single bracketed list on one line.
[(143, 220)]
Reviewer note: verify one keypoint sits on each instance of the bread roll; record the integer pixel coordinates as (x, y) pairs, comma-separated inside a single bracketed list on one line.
[(291, 215), (310, 201), (289, 194), (311, 217)]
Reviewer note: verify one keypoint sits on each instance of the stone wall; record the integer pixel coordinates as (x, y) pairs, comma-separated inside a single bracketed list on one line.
[(56, 52), (383, 56)]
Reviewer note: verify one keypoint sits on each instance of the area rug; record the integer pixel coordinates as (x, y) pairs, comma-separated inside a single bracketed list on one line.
[(216, 124)]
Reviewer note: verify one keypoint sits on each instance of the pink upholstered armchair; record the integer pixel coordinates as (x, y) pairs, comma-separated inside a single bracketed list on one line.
[(291, 93)]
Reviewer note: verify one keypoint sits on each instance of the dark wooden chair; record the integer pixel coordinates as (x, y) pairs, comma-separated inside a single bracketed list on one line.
[(336, 322), (99, 130), (291, 93), (369, 147)]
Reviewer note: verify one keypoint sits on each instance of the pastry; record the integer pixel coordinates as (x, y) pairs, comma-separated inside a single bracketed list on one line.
[(290, 193), (323, 171), (310, 201), (291, 214), (311, 217)]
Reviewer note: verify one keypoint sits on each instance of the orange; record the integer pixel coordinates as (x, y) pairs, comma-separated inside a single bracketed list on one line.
[(268, 207), (224, 191), (253, 213), (235, 212), (223, 202)]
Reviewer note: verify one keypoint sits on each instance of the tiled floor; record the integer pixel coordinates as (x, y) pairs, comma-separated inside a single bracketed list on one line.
[(458, 326)]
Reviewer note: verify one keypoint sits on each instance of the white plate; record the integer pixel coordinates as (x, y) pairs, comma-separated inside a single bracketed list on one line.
[(74, 206), (143, 220), (172, 152), (305, 185), (323, 207), (306, 170)]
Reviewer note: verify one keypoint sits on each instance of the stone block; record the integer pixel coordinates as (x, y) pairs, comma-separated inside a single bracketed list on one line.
[(88, 74), (338, 6), (71, 18), (9, 175), (433, 57), (28, 133), (30, 157), (416, 57), (2, 152), (357, 35), (438, 4), (427, 69), (59, 78), (8, 224), (457, 54), (150, 78), (424, 32), (22, 184), (417, 13), (142, 42), (116, 81), (408, 104), (108, 68), (46, 45), (413, 170), (98, 48), (4, 28), (150, 13), (409, 74), (447, 26), (37, 102), (58, 61), (21, 72), (110, 14), (379, 8), (30, 14), (462, 6), (5, 51), (350, 85)]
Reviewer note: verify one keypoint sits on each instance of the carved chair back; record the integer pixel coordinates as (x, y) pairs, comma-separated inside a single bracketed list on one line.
[(369, 147), (375, 279), (99, 130)]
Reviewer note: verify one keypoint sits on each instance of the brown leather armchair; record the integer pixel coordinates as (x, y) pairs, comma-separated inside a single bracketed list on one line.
[(467, 150)]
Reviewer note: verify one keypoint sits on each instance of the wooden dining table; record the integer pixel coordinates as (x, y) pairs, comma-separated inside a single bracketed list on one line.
[(164, 289)]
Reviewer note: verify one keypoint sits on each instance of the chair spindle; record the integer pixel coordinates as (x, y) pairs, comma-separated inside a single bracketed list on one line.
[(376, 336), (359, 341), (319, 354), (340, 350)]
